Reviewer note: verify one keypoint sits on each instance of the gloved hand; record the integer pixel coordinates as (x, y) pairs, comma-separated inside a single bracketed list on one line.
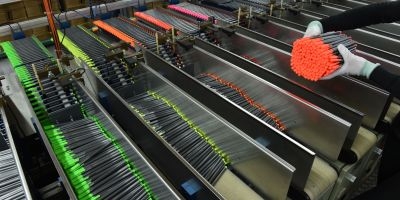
[(353, 65), (314, 28)]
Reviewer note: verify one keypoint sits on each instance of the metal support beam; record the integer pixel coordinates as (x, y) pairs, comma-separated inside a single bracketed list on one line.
[(49, 14)]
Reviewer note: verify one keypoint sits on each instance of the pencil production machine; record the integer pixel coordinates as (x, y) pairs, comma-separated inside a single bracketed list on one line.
[(191, 100)]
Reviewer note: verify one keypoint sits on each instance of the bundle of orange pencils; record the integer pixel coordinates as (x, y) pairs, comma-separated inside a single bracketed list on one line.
[(316, 57)]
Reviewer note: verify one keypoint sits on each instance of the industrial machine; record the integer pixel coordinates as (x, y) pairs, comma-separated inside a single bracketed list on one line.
[(190, 100)]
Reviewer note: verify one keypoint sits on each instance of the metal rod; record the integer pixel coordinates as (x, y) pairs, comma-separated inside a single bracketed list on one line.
[(37, 77), (49, 13)]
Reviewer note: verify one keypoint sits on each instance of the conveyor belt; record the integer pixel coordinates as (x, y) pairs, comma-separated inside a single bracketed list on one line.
[(130, 28), (208, 145), (98, 162), (158, 18), (11, 184), (180, 24), (241, 98), (148, 19), (270, 104), (208, 12), (165, 50), (93, 51), (180, 16), (173, 121), (93, 48), (54, 97), (30, 86), (234, 114), (183, 134), (273, 60), (120, 36), (30, 52), (99, 69)]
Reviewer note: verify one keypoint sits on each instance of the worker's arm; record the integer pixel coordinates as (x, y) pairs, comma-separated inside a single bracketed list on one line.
[(374, 72), (386, 80), (359, 66), (385, 12)]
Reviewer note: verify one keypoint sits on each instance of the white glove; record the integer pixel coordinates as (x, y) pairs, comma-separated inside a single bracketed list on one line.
[(314, 28), (353, 65)]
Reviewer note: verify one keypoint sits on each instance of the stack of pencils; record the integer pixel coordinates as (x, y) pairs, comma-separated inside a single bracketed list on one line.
[(316, 57)]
